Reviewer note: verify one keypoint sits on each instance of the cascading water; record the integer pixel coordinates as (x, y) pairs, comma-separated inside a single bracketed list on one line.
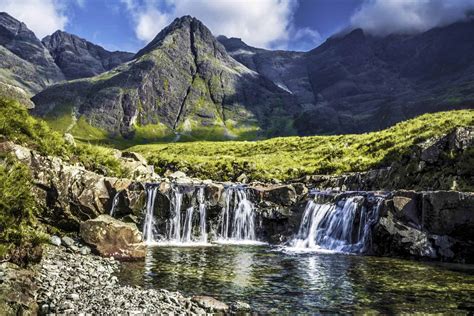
[(174, 232), (343, 226), (114, 203), (237, 222), (188, 226), (202, 215), (180, 228), (149, 225)]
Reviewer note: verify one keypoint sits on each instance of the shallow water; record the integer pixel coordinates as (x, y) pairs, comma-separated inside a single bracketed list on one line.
[(271, 280)]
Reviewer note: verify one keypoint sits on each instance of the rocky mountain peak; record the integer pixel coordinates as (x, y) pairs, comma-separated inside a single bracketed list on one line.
[(27, 64), (187, 31), (79, 58)]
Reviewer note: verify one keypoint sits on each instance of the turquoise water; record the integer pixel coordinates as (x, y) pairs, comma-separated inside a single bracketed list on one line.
[(274, 281)]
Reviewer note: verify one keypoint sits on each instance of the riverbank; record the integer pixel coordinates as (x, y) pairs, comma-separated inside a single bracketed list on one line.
[(72, 283)]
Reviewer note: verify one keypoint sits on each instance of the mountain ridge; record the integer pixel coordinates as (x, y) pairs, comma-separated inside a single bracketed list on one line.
[(80, 58), (183, 83), (187, 84)]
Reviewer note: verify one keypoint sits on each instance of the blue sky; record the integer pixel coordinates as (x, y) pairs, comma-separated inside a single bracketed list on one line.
[(111, 24), (274, 24)]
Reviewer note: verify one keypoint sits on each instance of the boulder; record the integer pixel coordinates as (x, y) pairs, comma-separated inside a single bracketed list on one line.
[(210, 304), (134, 157), (113, 238), (284, 195)]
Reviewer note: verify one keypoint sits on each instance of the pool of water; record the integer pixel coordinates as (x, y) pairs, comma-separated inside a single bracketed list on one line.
[(272, 280)]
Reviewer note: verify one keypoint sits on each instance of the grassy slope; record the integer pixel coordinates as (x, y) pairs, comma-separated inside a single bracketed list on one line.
[(19, 229), (292, 157)]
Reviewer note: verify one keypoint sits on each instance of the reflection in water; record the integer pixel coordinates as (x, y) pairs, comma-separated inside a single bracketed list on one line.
[(272, 281)]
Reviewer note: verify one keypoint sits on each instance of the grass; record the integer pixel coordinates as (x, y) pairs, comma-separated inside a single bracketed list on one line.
[(287, 158), (21, 128)]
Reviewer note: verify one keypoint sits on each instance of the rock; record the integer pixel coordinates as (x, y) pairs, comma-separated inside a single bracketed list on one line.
[(73, 296), (392, 238), (68, 242), (239, 306), (449, 213), (85, 250), (284, 195), (55, 240), (243, 178), (111, 237), (210, 304), (134, 156)]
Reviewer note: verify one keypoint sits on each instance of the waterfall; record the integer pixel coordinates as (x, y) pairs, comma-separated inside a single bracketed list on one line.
[(188, 225), (237, 221), (114, 203), (175, 225), (343, 226), (149, 225), (202, 215), (179, 228)]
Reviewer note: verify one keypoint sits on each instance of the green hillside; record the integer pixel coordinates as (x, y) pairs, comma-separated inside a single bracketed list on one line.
[(292, 157)]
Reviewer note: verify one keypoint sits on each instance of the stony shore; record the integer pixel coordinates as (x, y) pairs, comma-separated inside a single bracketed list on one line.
[(72, 283)]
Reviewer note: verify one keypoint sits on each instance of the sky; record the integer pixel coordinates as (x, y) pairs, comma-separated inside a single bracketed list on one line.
[(129, 25)]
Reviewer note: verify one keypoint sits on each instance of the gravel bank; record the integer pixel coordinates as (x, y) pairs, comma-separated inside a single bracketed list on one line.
[(71, 283)]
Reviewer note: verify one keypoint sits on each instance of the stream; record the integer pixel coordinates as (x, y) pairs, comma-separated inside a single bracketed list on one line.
[(274, 280)]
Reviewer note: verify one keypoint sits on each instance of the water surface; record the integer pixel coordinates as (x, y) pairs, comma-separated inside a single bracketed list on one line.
[(275, 281)]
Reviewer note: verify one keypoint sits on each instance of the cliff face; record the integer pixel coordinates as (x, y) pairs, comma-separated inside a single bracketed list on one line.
[(24, 61), (182, 82), (79, 58)]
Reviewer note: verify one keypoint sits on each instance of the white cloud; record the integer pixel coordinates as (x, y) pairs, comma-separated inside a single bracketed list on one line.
[(261, 23), (382, 17), (43, 17)]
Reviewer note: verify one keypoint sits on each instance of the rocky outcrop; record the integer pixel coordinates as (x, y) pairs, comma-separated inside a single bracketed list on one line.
[(79, 58), (113, 238), (440, 163), (70, 194), (433, 225), (25, 62)]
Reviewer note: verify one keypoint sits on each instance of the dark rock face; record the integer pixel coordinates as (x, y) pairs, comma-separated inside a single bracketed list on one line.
[(27, 63), (78, 58), (357, 83), (183, 81), (434, 225)]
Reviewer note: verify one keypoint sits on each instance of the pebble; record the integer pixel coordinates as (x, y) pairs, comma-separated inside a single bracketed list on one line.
[(55, 240), (73, 283)]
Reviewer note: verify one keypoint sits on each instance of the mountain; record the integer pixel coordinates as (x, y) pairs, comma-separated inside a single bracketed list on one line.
[(183, 82), (24, 62), (356, 82), (78, 58)]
